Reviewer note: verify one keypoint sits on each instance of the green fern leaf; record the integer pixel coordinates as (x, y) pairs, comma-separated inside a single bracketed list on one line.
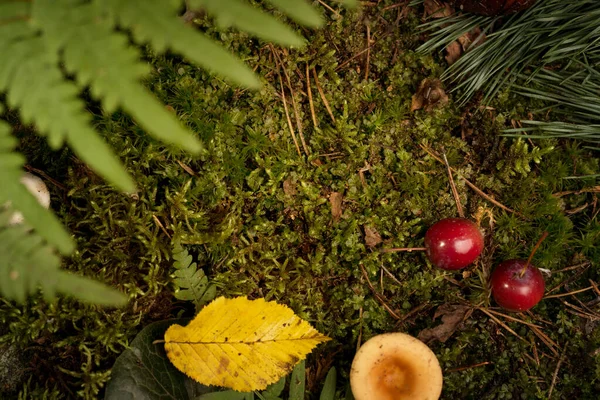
[(116, 80), (246, 17), (300, 11), (36, 86), (155, 22), (27, 264), (11, 170), (190, 281)]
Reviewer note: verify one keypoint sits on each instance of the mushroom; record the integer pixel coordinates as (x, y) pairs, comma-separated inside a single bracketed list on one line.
[(395, 366), (38, 188)]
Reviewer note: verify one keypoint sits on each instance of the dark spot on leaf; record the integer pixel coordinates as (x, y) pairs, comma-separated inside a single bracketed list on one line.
[(223, 364)]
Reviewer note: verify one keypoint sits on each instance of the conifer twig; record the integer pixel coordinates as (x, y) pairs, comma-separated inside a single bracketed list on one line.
[(378, 296), (322, 94), (294, 105), (459, 208), (287, 115), (310, 98), (555, 375), (471, 185)]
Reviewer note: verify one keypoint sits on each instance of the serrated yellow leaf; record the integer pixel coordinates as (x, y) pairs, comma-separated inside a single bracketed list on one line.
[(241, 344)]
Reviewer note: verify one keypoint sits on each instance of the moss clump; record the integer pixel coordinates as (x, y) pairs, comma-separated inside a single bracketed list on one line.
[(257, 215)]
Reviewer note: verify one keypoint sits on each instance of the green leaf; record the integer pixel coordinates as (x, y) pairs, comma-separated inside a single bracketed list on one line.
[(300, 11), (298, 381), (225, 395), (43, 221), (349, 3), (156, 21), (89, 291), (274, 391), (328, 392), (143, 371), (27, 264), (250, 19)]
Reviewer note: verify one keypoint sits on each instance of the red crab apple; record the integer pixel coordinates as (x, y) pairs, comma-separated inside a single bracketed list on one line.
[(517, 285), (453, 243)]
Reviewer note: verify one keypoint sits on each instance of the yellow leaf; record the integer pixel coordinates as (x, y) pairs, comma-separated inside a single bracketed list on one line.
[(241, 344)]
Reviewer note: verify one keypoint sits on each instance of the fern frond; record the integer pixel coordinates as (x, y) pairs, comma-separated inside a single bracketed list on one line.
[(190, 281), (42, 220), (242, 15), (300, 11), (116, 80), (28, 264), (35, 85), (156, 22)]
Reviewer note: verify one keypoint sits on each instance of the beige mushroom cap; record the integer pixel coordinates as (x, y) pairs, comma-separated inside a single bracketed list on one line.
[(395, 366), (36, 187)]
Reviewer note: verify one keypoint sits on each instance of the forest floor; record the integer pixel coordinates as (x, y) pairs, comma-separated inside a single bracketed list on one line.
[(302, 186)]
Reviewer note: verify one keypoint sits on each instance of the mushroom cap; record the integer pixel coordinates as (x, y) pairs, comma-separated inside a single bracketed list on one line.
[(395, 366), (36, 187)]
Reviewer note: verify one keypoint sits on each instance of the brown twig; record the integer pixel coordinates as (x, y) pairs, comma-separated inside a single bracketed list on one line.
[(459, 208), (322, 94), (554, 296), (368, 62), (160, 225), (360, 53), (45, 175), (583, 267), (535, 248), (481, 364), (502, 324), (391, 275), (294, 105), (555, 375), (378, 296), (546, 339), (512, 318), (310, 98), (471, 185), (287, 115), (186, 168), (401, 249), (327, 6), (595, 189)]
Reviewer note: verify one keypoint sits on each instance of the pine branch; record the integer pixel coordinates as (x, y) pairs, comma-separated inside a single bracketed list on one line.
[(578, 107), (190, 281), (551, 31)]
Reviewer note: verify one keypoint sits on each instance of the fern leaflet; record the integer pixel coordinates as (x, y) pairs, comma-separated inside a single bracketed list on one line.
[(45, 223), (190, 281), (155, 21), (27, 264)]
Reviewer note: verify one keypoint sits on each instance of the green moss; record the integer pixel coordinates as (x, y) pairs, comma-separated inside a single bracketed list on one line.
[(258, 218)]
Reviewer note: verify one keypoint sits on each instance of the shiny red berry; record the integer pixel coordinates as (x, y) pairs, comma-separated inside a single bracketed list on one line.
[(453, 243), (515, 287)]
